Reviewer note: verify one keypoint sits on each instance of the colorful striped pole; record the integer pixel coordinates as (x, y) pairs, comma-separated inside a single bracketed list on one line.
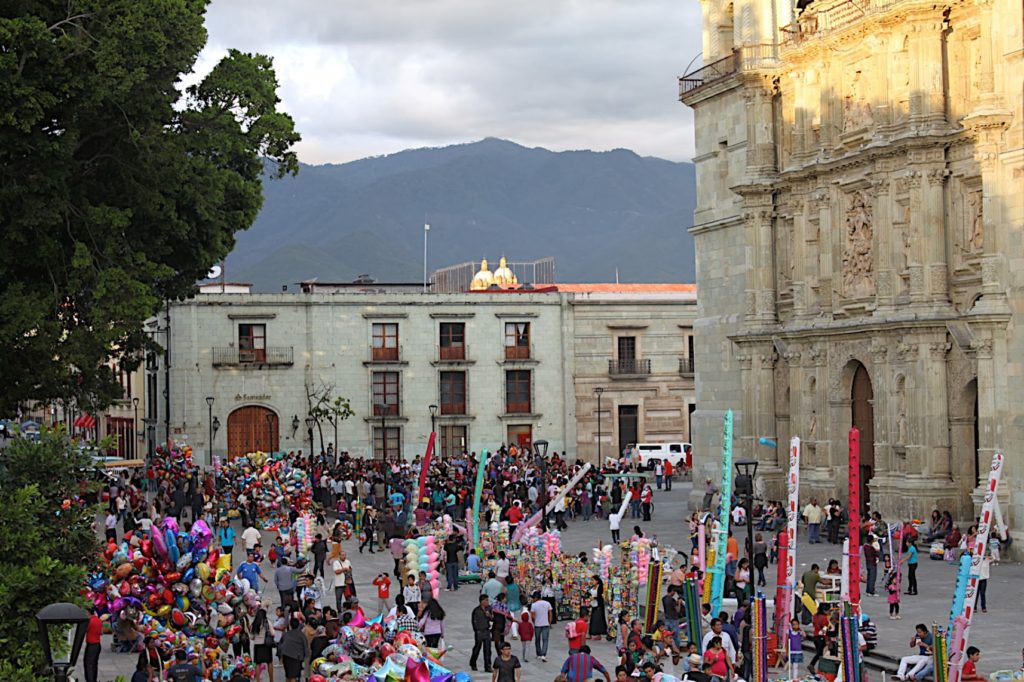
[(718, 572), (959, 644), (691, 593), (784, 609), (759, 639), (481, 467), (854, 524), (849, 643)]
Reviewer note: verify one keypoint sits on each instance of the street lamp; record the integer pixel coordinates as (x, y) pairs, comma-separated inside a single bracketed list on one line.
[(135, 428), (746, 469), (209, 405), (541, 459), (270, 432), (295, 424), (309, 430), (599, 391), (433, 418), (52, 620)]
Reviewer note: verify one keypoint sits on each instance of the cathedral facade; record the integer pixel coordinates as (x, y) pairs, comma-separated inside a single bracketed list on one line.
[(859, 229)]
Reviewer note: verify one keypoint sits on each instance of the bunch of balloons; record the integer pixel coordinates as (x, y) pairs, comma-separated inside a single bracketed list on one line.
[(377, 654), (174, 464), (175, 588), (422, 555), (275, 487)]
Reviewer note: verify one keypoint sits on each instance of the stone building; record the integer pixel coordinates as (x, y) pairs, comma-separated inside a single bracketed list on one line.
[(859, 231), (500, 365)]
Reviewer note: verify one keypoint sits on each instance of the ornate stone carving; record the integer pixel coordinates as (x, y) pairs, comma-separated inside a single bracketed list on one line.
[(906, 352), (750, 302), (937, 176), (975, 224), (744, 360), (858, 258), (816, 353), (901, 410), (856, 109), (982, 348), (938, 349)]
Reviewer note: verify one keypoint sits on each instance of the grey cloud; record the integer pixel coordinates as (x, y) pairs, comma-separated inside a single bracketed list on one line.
[(376, 77)]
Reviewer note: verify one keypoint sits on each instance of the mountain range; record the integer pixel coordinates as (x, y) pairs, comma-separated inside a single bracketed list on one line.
[(597, 213)]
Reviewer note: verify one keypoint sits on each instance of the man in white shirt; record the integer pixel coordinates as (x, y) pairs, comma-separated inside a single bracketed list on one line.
[(716, 631), (540, 611), (251, 537), (813, 515), (342, 576), (613, 525)]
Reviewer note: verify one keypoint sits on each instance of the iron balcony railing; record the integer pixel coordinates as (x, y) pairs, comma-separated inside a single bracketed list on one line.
[(747, 57), (631, 366), (271, 356), (685, 365)]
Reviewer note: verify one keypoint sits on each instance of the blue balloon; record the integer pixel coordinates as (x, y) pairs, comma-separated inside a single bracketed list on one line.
[(463, 677)]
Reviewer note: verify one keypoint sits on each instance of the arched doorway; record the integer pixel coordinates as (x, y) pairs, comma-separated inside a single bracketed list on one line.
[(252, 428), (863, 417)]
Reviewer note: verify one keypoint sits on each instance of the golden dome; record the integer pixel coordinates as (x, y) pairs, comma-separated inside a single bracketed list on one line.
[(482, 279), (503, 276)]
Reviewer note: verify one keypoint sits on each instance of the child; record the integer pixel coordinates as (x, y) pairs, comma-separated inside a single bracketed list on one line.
[(970, 671), (692, 660), (525, 632), (794, 648), (383, 585), (893, 588)]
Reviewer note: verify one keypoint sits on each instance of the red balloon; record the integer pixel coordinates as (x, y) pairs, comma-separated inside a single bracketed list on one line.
[(147, 548), (386, 649), (177, 617), (153, 601), (125, 589), (108, 553), (139, 562), (168, 597), (173, 577)]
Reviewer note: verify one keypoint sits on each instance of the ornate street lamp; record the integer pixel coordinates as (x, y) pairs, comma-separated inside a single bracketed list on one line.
[(53, 621), (746, 470), (295, 424), (135, 427), (433, 418)]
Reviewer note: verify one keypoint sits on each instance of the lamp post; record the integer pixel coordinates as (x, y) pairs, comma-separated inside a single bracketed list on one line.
[(599, 391), (541, 459), (295, 424), (433, 418), (209, 405), (746, 469), (52, 621), (309, 430), (270, 432), (135, 428)]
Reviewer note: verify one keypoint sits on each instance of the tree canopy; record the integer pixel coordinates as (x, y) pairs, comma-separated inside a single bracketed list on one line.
[(119, 187), (46, 541)]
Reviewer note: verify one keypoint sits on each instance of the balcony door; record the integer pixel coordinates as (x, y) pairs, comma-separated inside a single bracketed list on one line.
[(628, 418)]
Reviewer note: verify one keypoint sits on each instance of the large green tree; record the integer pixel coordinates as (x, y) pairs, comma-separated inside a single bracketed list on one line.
[(45, 544), (119, 187)]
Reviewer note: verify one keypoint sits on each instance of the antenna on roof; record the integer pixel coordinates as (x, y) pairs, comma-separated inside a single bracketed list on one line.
[(616, 274)]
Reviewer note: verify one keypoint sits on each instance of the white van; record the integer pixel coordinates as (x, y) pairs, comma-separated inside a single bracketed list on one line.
[(648, 454)]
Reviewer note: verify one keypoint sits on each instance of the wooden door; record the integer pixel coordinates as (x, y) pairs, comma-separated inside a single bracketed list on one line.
[(249, 430), (863, 417)]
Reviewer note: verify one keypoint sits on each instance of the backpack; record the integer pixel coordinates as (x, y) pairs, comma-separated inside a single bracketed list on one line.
[(570, 630)]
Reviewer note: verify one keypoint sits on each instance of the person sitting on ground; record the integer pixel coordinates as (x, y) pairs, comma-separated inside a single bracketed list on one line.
[(915, 667)]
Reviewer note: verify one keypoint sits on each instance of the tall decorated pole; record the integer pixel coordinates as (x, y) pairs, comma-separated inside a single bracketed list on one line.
[(702, 533), (854, 524), (783, 595), (782, 611), (718, 571), (422, 487), (480, 470), (959, 645)]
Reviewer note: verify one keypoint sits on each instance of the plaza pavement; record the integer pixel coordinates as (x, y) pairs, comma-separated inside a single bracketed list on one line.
[(997, 633)]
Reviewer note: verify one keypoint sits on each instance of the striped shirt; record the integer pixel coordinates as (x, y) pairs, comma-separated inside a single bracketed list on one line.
[(580, 667)]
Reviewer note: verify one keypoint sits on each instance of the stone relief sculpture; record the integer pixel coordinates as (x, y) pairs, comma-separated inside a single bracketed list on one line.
[(856, 110), (975, 224), (858, 260)]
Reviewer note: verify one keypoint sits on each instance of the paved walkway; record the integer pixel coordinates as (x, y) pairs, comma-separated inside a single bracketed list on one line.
[(998, 633)]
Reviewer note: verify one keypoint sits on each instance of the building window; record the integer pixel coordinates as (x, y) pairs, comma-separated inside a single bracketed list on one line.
[(252, 343), (387, 442), (517, 340), (385, 341), (453, 393), (627, 348), (385, 394), (517, 391), (453, 440), (453, 341)]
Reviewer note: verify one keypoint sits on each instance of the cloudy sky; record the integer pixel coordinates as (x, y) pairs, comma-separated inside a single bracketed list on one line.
[(369, 77)]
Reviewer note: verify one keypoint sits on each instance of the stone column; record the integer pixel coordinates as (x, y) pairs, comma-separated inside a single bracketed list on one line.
[(936, 422), (917, 227), (884, 285), (927, 102), (934, 243), (743, 437)]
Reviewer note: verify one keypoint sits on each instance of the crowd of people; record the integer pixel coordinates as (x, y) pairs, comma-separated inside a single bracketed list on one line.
[(380, 502)]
